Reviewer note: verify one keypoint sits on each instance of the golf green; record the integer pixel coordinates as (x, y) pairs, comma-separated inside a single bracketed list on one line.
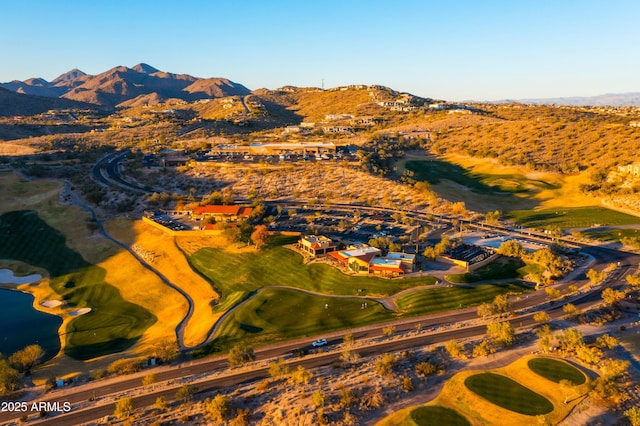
[(509, 394), (556, 370), (437, 415)]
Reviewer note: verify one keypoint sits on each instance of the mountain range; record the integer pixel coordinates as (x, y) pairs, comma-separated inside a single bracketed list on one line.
[(610, 99), (142, 82)]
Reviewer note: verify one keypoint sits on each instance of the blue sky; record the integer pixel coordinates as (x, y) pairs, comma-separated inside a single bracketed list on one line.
[(481, 50)]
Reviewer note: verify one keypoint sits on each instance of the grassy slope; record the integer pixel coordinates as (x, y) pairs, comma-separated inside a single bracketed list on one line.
[(277, 266), (171, 262), (486, 186), (566, 218), (499, 269), (113, 325), (135, 284), (611, 234), (535, 199), (277, 314), (450, 298)]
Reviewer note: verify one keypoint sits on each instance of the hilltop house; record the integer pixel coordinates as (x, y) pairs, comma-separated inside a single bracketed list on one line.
[(631, 169)]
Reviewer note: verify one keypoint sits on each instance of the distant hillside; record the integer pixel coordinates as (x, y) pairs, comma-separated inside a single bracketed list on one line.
[(121, 84), (544, 138), (313, 104), (611, 99), (12, 104)]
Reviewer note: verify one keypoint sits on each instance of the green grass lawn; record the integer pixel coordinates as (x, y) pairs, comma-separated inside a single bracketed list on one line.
[(556, 370), (576, 217), (113, 323), (437, 415), (275, 314), (450, 298), (275, 265), (279, 314), (611, 234), (502, 268), (433, 171), (509, 394)]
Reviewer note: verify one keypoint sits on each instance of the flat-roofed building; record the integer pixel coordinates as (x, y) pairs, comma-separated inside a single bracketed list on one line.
[(316, 245), (408, 260), (386, 266), (276, 148)]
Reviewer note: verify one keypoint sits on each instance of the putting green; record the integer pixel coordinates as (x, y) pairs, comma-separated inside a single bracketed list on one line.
[(437, 415), (556, 370), (506, 393)]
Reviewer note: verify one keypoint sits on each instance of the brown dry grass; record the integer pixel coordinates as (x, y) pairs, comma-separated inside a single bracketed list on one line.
[(566, 191), (135, 283), (171, 262), (335, 181), (13, 149)]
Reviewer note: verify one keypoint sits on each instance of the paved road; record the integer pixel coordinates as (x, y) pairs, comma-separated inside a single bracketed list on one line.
[(460, 325), (457, 325), (107, 172), (77, 201)]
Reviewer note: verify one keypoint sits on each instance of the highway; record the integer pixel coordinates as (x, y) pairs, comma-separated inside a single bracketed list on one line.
[(437, 328)]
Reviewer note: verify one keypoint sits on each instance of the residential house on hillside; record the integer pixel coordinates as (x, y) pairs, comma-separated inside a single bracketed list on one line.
[(173, 157), (631, 169)]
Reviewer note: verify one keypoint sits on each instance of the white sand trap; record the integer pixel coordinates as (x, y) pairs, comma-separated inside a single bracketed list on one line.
[(51, 303), (7, 277), (80, 312)]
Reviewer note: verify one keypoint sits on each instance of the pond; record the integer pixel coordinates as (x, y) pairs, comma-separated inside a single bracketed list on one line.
[(22, 325)]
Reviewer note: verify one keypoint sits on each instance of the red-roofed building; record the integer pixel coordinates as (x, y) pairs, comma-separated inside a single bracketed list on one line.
[(226, 213), (367, 260)]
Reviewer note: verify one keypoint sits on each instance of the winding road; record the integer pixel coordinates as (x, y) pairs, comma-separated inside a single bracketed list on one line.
[(207, 374), (180, 328)]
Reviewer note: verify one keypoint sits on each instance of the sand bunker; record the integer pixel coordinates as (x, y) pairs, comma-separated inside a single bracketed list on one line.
[(80, 312), (51, 303), (7, 277)]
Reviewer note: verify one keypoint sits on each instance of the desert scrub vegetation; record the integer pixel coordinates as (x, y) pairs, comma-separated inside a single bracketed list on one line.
[(562, 139), (341, 181)]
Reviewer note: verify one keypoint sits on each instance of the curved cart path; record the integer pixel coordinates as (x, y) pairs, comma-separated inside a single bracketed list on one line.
[(180, 328)]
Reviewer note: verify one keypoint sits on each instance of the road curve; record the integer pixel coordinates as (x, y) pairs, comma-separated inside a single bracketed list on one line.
[(183, 323), (456, 324)]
